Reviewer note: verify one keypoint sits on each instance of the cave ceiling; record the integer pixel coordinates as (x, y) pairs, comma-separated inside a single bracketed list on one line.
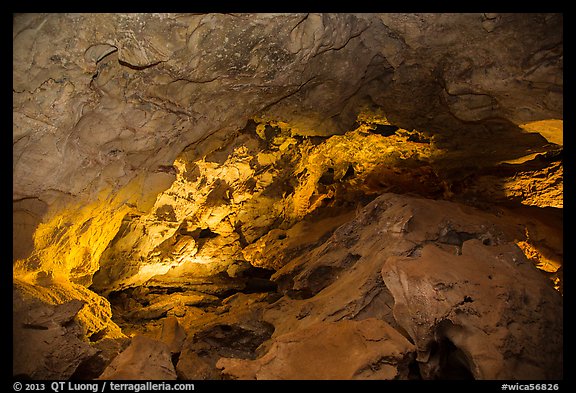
[(200, 155)]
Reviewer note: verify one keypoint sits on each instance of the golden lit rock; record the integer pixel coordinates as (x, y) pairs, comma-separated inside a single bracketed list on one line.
[(94, 317), (238, 194), (238, 184), (539, 187), (552, 130)]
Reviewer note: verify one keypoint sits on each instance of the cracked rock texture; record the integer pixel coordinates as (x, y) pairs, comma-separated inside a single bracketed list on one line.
[(442, 284), (367, 349), (227, 185), (103, 102), (52, 332), (502, 330), (435, 271), (145, 358)]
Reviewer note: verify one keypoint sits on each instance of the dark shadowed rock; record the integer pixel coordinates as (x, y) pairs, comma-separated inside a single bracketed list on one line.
[(48, 343)]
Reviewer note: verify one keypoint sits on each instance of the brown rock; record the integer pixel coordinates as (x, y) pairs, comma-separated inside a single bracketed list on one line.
[(172, 334), (103, 102), (487, 310), (111, 110), (236, 330), (367, 349), (48, 342), (145, 358), (343, 279)]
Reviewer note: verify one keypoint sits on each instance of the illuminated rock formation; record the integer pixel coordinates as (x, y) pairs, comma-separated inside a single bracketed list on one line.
[(168, 168)]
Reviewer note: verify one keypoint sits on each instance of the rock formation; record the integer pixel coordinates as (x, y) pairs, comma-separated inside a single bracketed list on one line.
[(367, 349), (145, 358), (217, 191)]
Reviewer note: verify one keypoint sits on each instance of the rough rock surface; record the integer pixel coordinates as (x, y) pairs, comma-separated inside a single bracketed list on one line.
[(256, 201), (107, 349), (169, 161), (48, 343), (95, 318), (440, 274), (367, 349), (406, 268), (233, 330), (342, 280), (488, 302), (145, 358), (172, 334), (104, 103)]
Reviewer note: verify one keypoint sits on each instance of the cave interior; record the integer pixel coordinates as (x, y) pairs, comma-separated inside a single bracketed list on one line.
[(288, 196)]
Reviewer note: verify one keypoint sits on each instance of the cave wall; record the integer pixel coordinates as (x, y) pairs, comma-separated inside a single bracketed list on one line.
[(112, 112), (103, 101)]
